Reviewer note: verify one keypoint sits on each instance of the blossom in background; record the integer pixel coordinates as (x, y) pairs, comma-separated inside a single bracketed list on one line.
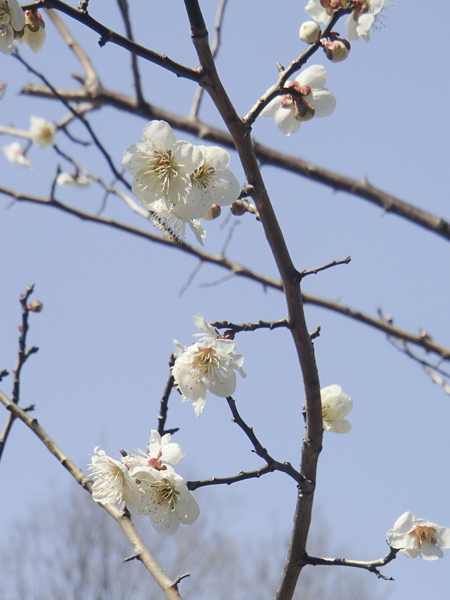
[(42, 132), (414, 537), (34, 30), (161, 166), (335, 406), (209, 364), (12, 20), (362, 19), (15, 154), (171, 220), (311, 100), (113, 482), (74, 179), (165, 499)]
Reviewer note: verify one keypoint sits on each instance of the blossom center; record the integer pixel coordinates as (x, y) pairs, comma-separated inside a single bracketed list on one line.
[(303, 110), (156, 463), (202, 177), (165, 493), (163, 166), (205, 359), (424, 535)]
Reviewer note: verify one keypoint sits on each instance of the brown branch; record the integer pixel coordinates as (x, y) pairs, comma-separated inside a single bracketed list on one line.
[(344, 562), (107, 35), (242, 476), (334, 263), (214, 49), (124, 520), (267, 156), (250, 326), (239, 270)]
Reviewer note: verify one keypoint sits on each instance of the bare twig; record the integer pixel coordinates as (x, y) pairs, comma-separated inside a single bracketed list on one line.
[(123, 6), (76, 114), (240, 270), (22, 357), (4, 373), (164, 407), (250, 326), (124, 520), (344, 562), (334, 263), (107, 35), (214, 49), (242, 476)]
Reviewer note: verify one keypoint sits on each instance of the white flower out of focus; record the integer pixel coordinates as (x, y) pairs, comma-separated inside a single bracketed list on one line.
[(113, 482), (42, 132), (311, 100), (166, 500), (360, 21), (15, 154), (414, 537), (12, 20), (34, 31), (171, 220), (335, 406), (73, 179), (209, 364), (161, 166)]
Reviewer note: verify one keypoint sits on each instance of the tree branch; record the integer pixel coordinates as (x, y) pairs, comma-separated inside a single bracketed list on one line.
[(124, 520), (344, 562)]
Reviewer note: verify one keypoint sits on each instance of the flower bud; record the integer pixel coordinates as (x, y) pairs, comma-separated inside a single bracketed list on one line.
[(310, 32), (34, 31), (35, 306), (337, 50), (238, 208), (213, 213)]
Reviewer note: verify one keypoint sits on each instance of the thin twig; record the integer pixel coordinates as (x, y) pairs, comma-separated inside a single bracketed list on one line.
[(214, 49), (344, 562), (235, 328), (334, 263), (190, 278), (123, 6), (237, 269), (164, 406), (120, 516)]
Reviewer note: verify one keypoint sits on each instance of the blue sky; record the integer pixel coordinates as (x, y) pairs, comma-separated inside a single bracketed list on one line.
[(112, 305)]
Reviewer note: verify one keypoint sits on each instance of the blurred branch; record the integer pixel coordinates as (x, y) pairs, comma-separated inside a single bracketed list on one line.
[(344, 562), (267, 156), (214, 49), (141, 552), (107, 35), (77, 115), (123, 6), (239, 270), (22, 357)]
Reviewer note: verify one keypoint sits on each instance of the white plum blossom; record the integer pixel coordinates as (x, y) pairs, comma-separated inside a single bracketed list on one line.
[(170, 218), (335, 406), (34, 31), (362, 19), (73, 179), (311, 100), (209, 364), (212, 183), (319, 11), (165, 499), (160, 451), (113, 482), (15, 154), (161, 166), (12, 20), (414, 537), (42, 132)]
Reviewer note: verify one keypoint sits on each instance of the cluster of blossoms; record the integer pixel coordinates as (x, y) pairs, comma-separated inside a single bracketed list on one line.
[(335, 406), (418, 537), (147, 484), (41, 133), (177, 181), (361, 18), (209, 364), (311, 99), (15, 24)]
